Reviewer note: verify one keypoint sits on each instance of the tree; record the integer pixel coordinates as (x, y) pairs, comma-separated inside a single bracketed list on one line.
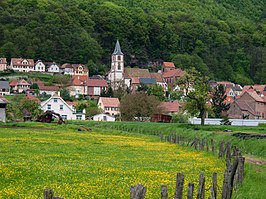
[(157, 91), (218, 101), (64, 93), (91, 108), (138, 106), (197, 89)]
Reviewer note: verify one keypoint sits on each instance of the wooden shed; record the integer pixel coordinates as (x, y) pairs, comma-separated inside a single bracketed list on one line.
[(161, 118)]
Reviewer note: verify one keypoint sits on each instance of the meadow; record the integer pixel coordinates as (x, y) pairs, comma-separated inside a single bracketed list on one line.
[(102, 163)]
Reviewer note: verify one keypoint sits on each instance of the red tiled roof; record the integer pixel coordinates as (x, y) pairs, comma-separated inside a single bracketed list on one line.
[(168, 65), (137, 72), (110, 102), (174, 73), (245, 107), (135, 80), (48, 88), (80, 80), (18, 62), (157, 76), (229, 99), (255, 96), (97, 83), (19, 82), (170, 107), (227, 90), (72, 103), (225, 83)]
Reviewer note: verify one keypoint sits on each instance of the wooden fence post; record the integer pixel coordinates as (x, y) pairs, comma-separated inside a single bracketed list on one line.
[(190, 190), (212, 143), (228, 151), (164, 192), (137, 192), (221, 150), (179, 186), (48, 194), (201, 189), (214, 186), (207, 145), (239, 177)]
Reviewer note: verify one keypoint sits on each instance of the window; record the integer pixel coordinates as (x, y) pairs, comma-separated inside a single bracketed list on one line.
[(119, 66), (55, 100), (104, 118), (64, 117), (118, 58), (61, 107), (49, 106), (79, 117)]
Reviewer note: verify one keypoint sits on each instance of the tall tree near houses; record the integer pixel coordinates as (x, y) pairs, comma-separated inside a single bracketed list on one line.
[(218, 101), (196, 87)]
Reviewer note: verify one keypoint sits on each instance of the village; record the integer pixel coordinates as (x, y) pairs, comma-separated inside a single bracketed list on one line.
[(246, 102)]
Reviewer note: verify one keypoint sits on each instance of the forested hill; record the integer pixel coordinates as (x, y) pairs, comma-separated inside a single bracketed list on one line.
[(225, 39)]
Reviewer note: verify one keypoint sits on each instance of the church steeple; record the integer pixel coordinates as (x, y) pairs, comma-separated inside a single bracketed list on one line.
[(117, 50)]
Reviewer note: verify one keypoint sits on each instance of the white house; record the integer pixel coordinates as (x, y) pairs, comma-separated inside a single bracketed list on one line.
[(67, 69), (3, 64), (109, 105), (53, 68), (39, 66), (22, 65), (58, 105), (103, 117)]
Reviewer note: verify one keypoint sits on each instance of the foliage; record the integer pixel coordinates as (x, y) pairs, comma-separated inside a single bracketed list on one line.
[(90, 106), (197, 96), (64, 93), (21, 102), (180, 118), (157, 91), (219, 105), (222, 39), (138, 106)]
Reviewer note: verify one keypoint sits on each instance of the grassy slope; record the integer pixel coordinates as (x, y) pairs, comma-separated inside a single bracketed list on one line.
[(85, 164)]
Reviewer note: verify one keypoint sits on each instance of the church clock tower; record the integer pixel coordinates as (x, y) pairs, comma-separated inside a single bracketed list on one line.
[(116, 73)]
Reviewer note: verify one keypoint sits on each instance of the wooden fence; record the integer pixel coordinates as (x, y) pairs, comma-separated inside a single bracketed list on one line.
[(233, 175)]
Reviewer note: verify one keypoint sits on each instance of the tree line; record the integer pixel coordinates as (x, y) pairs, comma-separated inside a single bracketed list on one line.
[(222, 39)]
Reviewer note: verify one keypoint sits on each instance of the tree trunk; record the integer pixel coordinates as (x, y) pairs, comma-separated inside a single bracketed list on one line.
[(202, 117)]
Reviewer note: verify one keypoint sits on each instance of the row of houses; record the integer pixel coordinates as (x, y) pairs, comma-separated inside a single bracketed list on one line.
[(28, 65)]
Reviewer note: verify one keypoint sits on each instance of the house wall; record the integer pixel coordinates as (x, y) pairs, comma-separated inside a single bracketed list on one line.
[(109, 110), (3, 115), (39, 67), (100, 117), (261, 109), (53, 69), (249, 100), (78, 90), (3, 67)]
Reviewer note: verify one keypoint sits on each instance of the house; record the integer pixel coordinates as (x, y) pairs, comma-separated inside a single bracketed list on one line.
[(103, 117), (67, 69), (48, 90), (4, 88), (3, 64), (58, 105), (39, 66), (19, 86), (170, 107), (171, 76), (78, 86), (110, 106), (80, 69), (237, 89), (159, 80), (230, 92), (96, 87), (22, 65), (132, 77), (3, 104), (167, 66), (52, 68), (249, 105)]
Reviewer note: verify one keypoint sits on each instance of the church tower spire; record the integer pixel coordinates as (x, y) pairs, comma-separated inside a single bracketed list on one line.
[(116, 75)]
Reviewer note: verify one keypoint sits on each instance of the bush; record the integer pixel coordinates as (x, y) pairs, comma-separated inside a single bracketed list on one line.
[(180, 118)]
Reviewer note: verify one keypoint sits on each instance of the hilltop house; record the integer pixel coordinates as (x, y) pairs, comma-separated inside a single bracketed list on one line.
[(78, 86), (22, 65), (4, 88), (52, 68), (3, 64), (19, 86), (80, 70), (67, 69), (58, 105), (167, 66), (48, 90), (110, 106), (39, 66)]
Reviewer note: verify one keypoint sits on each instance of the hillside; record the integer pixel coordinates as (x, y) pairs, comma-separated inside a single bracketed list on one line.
[(223, 39)]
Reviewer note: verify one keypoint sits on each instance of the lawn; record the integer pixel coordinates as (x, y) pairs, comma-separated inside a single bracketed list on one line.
[(94, 164)]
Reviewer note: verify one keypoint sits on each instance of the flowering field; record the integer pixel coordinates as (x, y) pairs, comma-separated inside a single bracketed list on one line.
[(79, 164)]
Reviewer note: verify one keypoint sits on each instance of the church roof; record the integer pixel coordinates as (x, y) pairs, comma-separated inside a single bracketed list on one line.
[(117, 50), (136, 72)]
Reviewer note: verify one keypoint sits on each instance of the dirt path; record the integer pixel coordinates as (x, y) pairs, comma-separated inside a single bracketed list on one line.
[(253, 160)]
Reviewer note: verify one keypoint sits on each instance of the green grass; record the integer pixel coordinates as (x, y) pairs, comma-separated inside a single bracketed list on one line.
[(102, 163)]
